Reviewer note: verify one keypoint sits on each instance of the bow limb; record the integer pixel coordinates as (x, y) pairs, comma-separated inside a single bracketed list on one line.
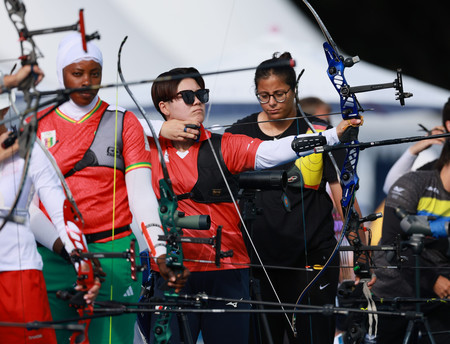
[(349, 109), (29, 51), (143, 113)]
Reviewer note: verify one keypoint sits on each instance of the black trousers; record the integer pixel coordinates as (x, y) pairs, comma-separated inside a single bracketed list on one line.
[(314, 328), (218, 327)]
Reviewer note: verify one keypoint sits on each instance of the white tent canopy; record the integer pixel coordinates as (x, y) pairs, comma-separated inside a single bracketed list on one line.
[(211, 35)]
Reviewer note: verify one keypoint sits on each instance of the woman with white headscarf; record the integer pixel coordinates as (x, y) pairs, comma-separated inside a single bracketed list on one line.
[(103, 153)]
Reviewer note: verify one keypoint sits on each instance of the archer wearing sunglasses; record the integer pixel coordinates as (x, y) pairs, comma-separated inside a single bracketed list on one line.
[(189, 96), (197, 180)]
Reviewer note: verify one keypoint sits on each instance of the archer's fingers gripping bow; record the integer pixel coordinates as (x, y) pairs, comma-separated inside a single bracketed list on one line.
[(350, 108)]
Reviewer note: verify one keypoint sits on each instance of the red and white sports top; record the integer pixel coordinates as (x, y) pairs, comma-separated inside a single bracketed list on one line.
[(239, 153), (96, 189)]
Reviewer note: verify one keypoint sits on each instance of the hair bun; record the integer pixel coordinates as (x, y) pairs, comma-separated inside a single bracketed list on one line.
[(286, 56)]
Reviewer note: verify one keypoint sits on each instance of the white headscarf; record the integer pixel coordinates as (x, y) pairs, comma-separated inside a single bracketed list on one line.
[(70, 50)]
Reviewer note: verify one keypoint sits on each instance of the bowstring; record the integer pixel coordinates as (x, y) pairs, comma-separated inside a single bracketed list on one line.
[(233, 199), (114, 200)]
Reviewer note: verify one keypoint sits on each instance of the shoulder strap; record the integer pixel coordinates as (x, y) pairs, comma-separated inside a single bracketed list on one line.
[(101, 152)]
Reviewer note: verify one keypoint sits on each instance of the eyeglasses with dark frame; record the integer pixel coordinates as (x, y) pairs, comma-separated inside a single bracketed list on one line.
[(279, 96), (189, 96)]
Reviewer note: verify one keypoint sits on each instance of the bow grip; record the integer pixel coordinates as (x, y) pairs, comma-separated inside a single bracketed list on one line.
[(350, 134), (28, 83)]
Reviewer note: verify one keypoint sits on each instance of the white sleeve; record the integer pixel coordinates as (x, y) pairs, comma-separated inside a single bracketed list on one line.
[(42, 228), (278, 152), (51, 194), (157, 125), (144, 206), (401, 166)]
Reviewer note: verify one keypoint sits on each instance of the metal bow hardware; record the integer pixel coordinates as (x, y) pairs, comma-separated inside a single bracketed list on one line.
[(29, 51), (349, 104), (350, 108)]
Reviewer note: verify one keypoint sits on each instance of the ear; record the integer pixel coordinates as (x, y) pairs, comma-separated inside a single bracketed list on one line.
[(63, 77), (164, 109), (447, 126)]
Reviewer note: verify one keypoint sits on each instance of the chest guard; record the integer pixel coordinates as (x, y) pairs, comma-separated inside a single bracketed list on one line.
[(101, 151), (210, 186)]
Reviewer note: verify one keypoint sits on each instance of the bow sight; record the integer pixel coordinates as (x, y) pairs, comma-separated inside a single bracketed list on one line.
[(397, 84)]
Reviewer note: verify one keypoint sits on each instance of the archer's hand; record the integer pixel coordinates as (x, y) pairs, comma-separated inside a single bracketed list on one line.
[(15, 79), (421, 145), (7, 152), (92, 290), (174, 280), (176, 130), (442, 287), (92, 293), (347, 129)]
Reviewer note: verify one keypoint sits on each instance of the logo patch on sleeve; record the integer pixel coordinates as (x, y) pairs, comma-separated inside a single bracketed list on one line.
[(49, 138)]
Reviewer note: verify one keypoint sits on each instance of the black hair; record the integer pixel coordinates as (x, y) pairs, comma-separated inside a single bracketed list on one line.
[(268, 68), (166, 84)]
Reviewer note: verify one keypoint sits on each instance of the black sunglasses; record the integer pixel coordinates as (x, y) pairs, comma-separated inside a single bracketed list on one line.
[(189, 96)]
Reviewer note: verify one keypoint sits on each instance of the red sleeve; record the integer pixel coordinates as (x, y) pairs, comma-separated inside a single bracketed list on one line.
[(136, 150), (239, 152)]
